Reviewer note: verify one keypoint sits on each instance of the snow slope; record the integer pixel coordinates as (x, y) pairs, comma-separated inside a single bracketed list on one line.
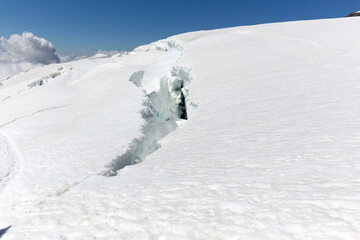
[(269, 149)]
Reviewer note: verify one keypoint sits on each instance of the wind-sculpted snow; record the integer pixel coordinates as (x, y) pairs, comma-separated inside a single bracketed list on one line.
[(271, 152)]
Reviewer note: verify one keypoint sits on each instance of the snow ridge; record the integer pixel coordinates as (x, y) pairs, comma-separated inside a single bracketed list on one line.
[(163, 111)]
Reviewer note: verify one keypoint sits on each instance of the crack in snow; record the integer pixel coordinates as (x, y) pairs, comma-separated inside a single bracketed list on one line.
[(6, 98), (40, 82), (71, 186), (163, 111), (31, 114)]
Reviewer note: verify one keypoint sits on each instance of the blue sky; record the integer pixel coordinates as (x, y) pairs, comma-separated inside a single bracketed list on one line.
[(84, 26)]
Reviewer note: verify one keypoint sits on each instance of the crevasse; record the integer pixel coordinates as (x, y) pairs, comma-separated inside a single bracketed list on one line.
[(163, 110)]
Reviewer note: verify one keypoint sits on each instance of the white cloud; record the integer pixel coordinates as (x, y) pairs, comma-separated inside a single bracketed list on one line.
[(22, 52), (29, 48), (27, 51)]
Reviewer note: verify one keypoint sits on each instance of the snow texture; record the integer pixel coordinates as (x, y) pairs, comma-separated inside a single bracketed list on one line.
[(270, 148), (9, 159)]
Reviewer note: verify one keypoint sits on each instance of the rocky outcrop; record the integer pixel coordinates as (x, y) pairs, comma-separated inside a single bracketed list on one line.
[(354, 14)]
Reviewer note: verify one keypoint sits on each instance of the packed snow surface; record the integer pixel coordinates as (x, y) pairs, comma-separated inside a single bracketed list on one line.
[(242, 133)]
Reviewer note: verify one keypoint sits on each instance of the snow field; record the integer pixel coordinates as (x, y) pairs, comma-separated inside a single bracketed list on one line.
[(270, 152)]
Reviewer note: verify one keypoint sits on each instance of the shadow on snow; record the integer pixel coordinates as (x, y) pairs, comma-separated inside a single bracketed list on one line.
[(3, 231)]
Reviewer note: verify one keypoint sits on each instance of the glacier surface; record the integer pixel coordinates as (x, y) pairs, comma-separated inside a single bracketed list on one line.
[(240, 133)]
